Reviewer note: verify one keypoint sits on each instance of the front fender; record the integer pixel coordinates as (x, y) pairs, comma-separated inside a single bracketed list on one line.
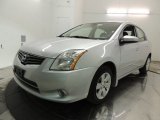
[(100, 54)]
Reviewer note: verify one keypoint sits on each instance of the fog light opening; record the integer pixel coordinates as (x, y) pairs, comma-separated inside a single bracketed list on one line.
[(62, 93)]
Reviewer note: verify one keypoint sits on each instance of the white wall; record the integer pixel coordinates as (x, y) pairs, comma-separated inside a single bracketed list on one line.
[(95, 10), (37, 19), (32, 18)]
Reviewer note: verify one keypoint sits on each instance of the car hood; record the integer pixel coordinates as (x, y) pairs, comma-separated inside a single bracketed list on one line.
[(52, 48)]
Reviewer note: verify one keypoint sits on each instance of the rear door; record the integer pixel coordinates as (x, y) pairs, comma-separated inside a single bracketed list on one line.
[(143, 51)]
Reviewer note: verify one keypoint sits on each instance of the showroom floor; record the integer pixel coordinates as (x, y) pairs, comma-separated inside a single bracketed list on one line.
[(135, 98), (5, 77)]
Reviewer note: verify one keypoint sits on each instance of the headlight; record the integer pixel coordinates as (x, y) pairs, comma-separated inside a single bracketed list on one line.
[(67, 60)]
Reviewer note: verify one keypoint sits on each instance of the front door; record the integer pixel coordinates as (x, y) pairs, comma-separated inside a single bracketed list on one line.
[(128, 52)]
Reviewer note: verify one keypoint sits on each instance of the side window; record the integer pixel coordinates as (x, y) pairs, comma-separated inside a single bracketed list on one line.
[(100, 33), (129, 30), (140, 34)]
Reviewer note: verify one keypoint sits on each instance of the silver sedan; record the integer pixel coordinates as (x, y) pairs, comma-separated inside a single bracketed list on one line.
[(84, 62)]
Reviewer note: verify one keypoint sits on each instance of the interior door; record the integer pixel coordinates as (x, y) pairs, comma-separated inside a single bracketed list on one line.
[(64, 16), (128, 52), (9, 44)]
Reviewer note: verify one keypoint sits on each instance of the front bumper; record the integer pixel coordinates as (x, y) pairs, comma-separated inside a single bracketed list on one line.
[(60, 86)]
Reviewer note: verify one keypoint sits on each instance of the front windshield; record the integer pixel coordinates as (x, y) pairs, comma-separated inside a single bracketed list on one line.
[(93, 31)]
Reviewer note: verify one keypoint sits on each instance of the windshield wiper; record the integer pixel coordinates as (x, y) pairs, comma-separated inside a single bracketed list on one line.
[(79, 37), (84, 37), (60, 36)]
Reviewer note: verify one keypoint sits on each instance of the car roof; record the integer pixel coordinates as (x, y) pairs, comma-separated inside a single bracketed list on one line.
[(120, 22)]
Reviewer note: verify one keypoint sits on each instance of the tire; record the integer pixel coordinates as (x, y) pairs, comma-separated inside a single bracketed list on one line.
[(100, 85), (145, 68)]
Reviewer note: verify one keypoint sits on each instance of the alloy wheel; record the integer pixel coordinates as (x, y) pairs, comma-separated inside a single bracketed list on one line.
[(103, 85)]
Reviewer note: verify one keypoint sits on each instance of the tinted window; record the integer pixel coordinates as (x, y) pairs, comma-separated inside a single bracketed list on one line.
[(140, 34), (93, 30)]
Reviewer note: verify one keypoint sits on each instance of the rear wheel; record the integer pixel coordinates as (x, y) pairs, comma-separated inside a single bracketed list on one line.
[(100, 85), (145, 68)]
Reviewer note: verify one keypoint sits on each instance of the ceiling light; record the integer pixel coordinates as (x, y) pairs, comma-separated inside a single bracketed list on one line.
[(139, 11), (37, 0), (136, 11), (117, 11)]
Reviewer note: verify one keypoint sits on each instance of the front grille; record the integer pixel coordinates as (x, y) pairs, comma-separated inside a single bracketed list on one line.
[(29, 59)]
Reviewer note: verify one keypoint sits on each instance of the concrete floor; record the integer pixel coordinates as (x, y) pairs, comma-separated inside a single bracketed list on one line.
[(135, 98)]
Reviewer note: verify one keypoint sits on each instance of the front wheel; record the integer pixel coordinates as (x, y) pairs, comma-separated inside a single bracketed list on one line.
[(145, 68), (100, 85)]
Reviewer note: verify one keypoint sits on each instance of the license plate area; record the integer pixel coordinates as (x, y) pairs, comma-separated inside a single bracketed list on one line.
[(19, 71)]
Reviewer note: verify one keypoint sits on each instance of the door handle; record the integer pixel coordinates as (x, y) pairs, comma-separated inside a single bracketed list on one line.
[(1, 46)]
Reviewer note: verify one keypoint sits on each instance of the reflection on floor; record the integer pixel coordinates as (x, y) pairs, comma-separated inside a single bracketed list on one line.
[(155, 67), (135, 98), (6, 75)]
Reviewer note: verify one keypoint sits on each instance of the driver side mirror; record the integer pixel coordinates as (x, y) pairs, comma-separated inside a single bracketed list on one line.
[(128, 39)]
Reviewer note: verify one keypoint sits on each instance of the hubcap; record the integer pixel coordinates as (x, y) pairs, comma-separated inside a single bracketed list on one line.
[(148, 64), (103, 85)]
